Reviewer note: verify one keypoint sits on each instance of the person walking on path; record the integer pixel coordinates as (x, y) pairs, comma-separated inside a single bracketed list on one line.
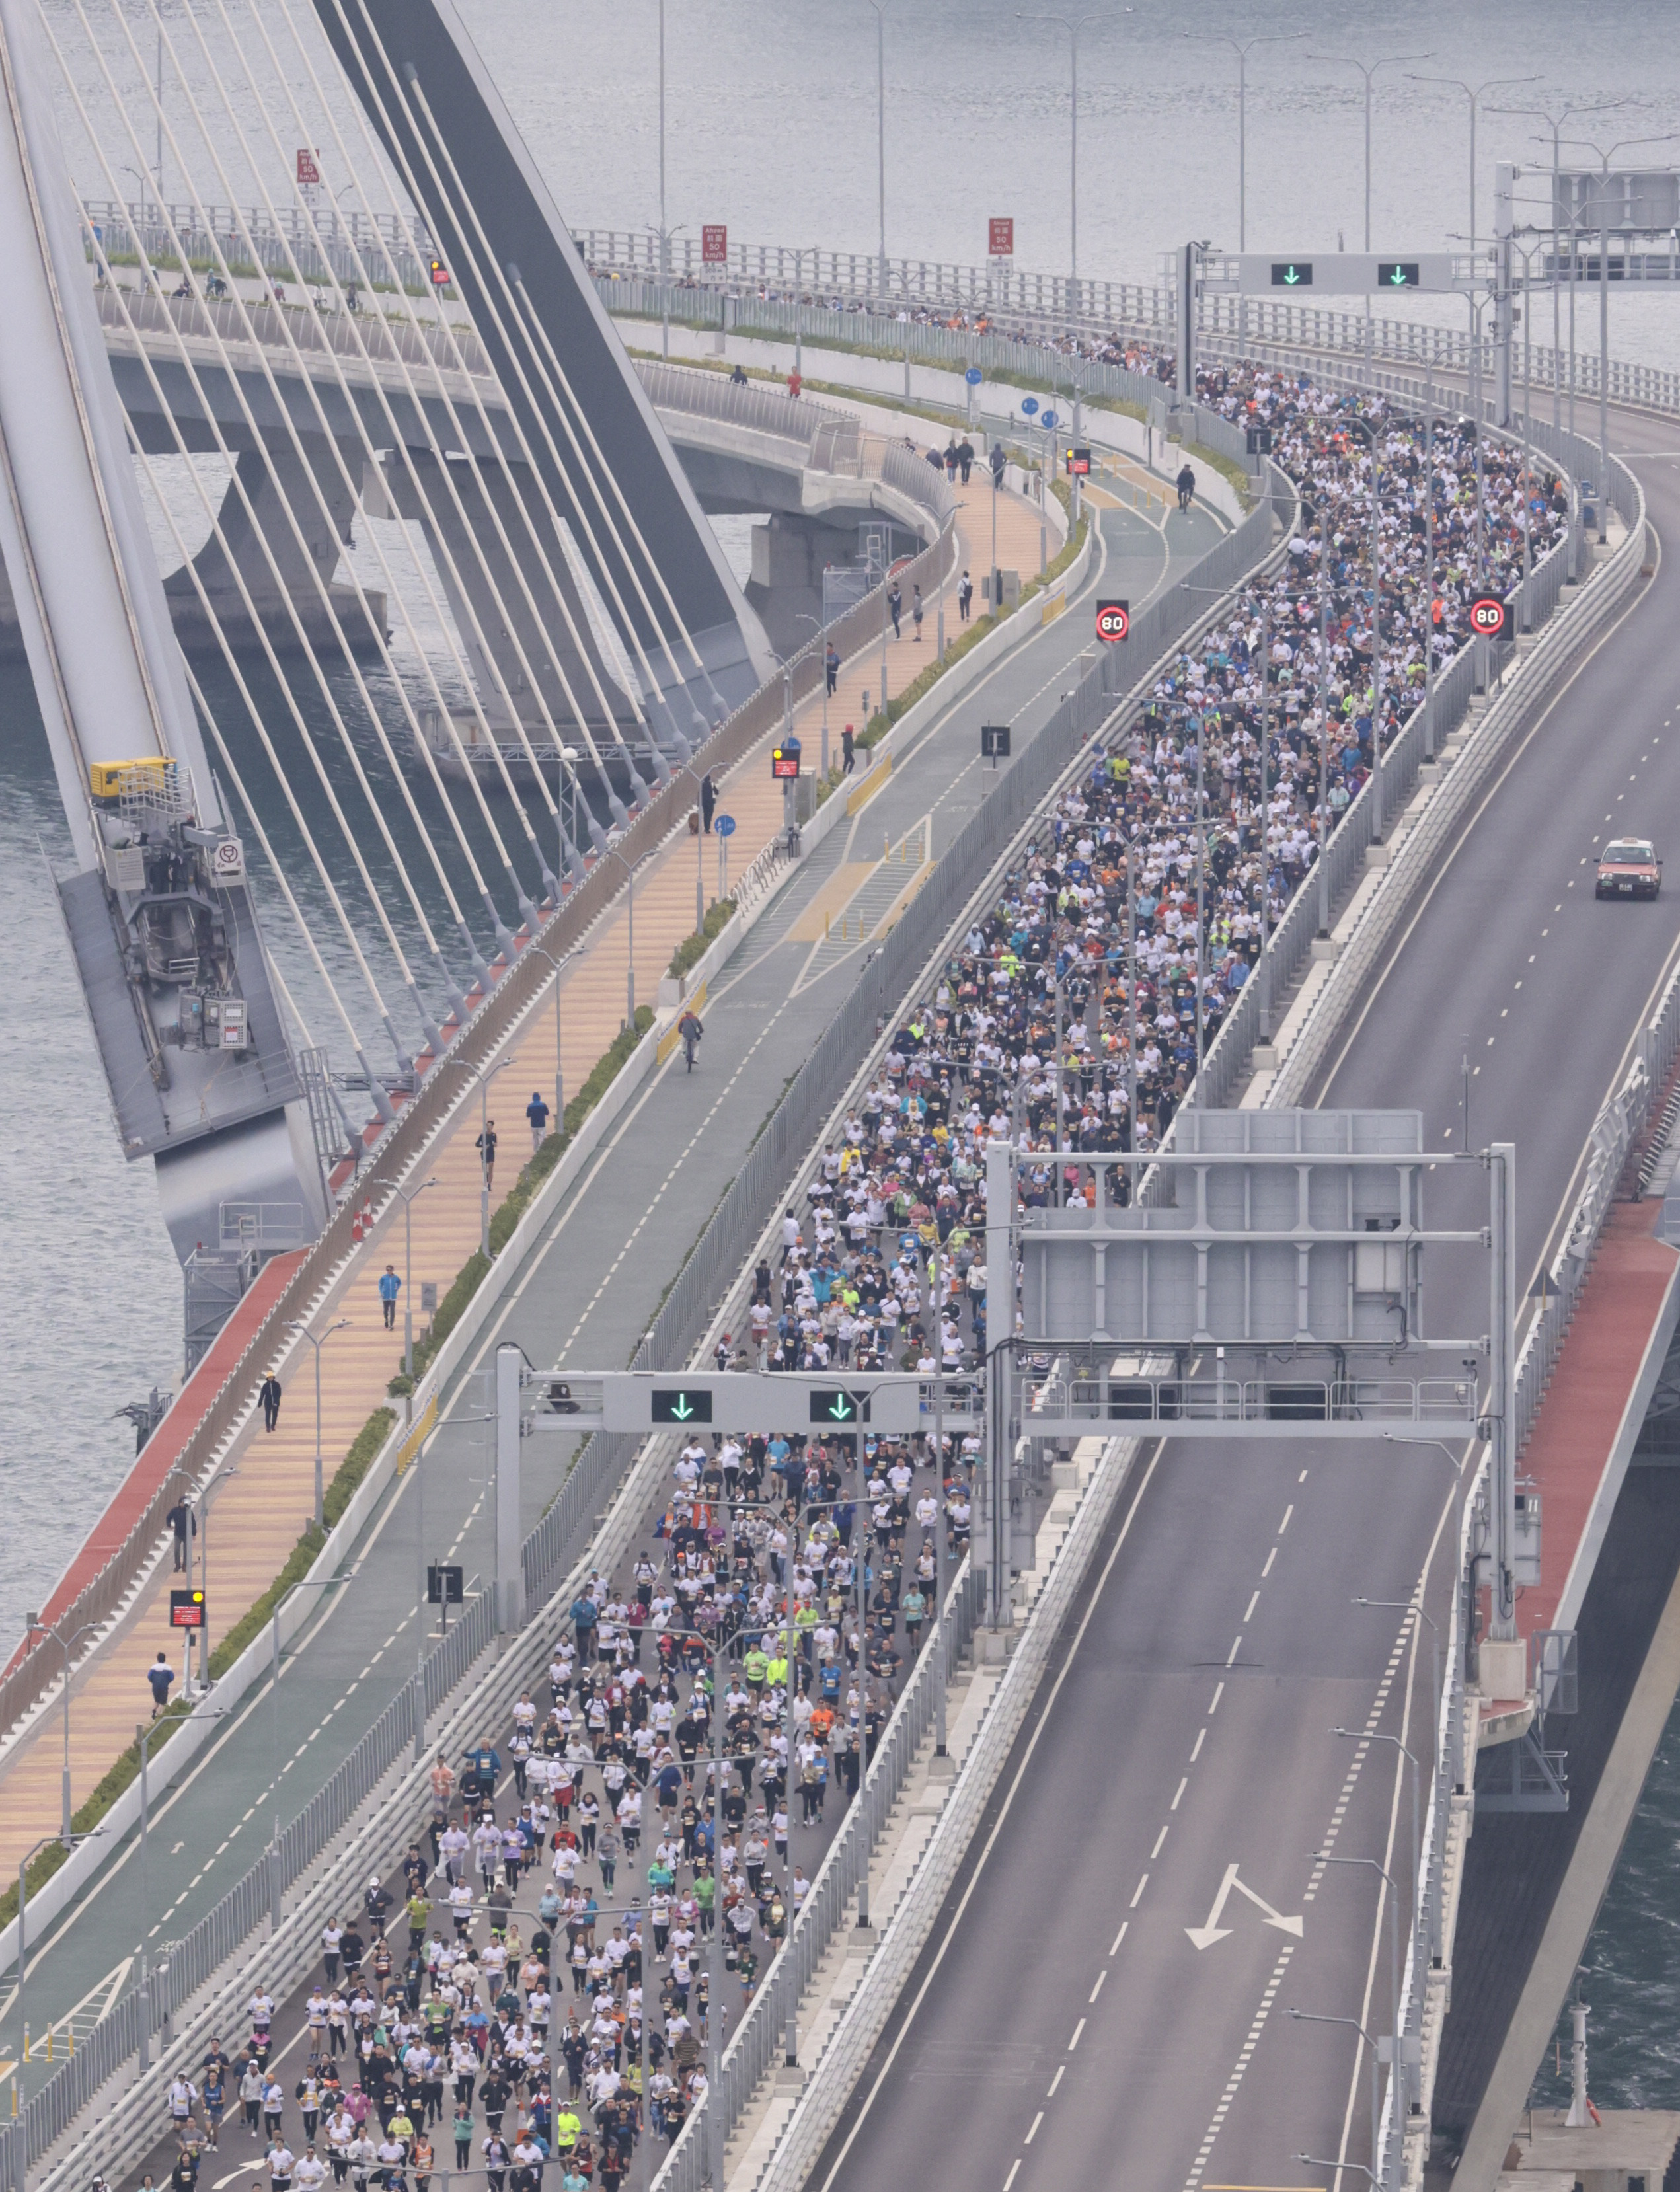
[(708, 801), (536, 1112), (895, 608), (950, 461), (269, 1394), (965, 458), (796, 381), (847, 757), (390, 1286), (965, 594), (916, 612), (160, 1674), (485, 1144), (832, 666), (1187, 487), (184, 1522)]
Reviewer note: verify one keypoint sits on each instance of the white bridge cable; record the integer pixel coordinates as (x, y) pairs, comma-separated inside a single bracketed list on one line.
[(213, 518), (375, 714), (539, 547), (464, 215), (503, 937), (441, 547), (382, 1103), (527, 909), (508, 280), (254, 814), (446, 398)]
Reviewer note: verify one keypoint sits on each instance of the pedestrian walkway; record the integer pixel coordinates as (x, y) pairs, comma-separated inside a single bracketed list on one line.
[(263, 1496)]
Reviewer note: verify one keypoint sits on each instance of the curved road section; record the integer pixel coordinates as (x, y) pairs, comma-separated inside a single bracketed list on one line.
[(1147, 1897)]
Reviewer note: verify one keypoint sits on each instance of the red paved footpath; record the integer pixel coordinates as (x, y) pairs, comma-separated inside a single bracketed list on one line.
[(156, 1458), (1573, 1435)]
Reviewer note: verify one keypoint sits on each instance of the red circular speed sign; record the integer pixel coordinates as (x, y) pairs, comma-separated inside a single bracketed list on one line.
[(1490, 617), (1114, 620)]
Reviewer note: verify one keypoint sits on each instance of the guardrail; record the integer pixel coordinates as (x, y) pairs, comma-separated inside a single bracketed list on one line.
[(1615, 1133), (759, 2036)]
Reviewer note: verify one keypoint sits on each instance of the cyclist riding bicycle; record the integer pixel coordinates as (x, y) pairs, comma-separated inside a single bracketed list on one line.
[(688, 1027)]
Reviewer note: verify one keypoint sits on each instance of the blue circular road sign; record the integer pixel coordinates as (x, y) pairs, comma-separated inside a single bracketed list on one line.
[(974, 376), (1048, 419), (723, 825), (1029, 404)]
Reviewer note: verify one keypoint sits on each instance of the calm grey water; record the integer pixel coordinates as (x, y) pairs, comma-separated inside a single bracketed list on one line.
[(771, 127)]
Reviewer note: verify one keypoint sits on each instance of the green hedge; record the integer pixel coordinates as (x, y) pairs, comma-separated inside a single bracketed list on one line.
[(879, 723), (513, 1206), (125, 1770), (689, 950)]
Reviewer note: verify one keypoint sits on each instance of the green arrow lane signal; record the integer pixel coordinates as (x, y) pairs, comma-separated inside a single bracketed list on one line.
[(831, 1405), (678, 1404), (1397, 273), (1292, 274)]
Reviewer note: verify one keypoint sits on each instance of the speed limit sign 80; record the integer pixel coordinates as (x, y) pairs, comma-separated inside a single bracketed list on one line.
[(1490, 617), (1114, 620)]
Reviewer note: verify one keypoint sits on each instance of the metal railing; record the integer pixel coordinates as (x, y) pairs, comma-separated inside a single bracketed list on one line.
[(348, 335), (181, 1968), (285, 248), (1426, 1949), (759, 2037), (763, 409)]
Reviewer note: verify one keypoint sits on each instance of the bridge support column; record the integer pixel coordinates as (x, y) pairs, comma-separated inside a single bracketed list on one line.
[(510, 1568), (280, 571)]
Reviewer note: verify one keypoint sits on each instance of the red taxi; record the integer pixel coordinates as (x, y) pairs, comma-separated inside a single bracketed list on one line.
[(1628, 867)]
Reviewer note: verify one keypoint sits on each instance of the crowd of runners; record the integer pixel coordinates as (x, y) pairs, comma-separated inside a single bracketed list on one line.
[(531, 1994), (530, 1997)]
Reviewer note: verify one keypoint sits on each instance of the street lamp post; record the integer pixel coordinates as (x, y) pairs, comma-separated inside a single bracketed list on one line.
[(32, 1621), (1324, 1856), (1604, 159), (559, 966), (483, 1078), (1555, 123), (1072, 24), (1307, 2017), (410, 1195), (294, 1324), (1368, 70), (881, 8), (1242, 47), (24, 1864), (629, 868), (1474, 93), (664, 233)]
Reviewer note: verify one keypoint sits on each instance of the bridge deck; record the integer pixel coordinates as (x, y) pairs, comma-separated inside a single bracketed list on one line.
[(257, 1515)]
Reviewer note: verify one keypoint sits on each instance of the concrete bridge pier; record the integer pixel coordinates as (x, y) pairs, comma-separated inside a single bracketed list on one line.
[(264, 550)]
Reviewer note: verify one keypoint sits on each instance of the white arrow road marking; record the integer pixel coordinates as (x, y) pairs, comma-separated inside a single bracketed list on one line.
[(1203, 1937)]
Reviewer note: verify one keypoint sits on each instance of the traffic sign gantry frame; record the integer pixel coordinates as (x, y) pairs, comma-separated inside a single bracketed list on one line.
[(896, 1401)]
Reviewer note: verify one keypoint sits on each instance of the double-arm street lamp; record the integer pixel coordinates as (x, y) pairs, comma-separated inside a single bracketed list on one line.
[(317, 1342)]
